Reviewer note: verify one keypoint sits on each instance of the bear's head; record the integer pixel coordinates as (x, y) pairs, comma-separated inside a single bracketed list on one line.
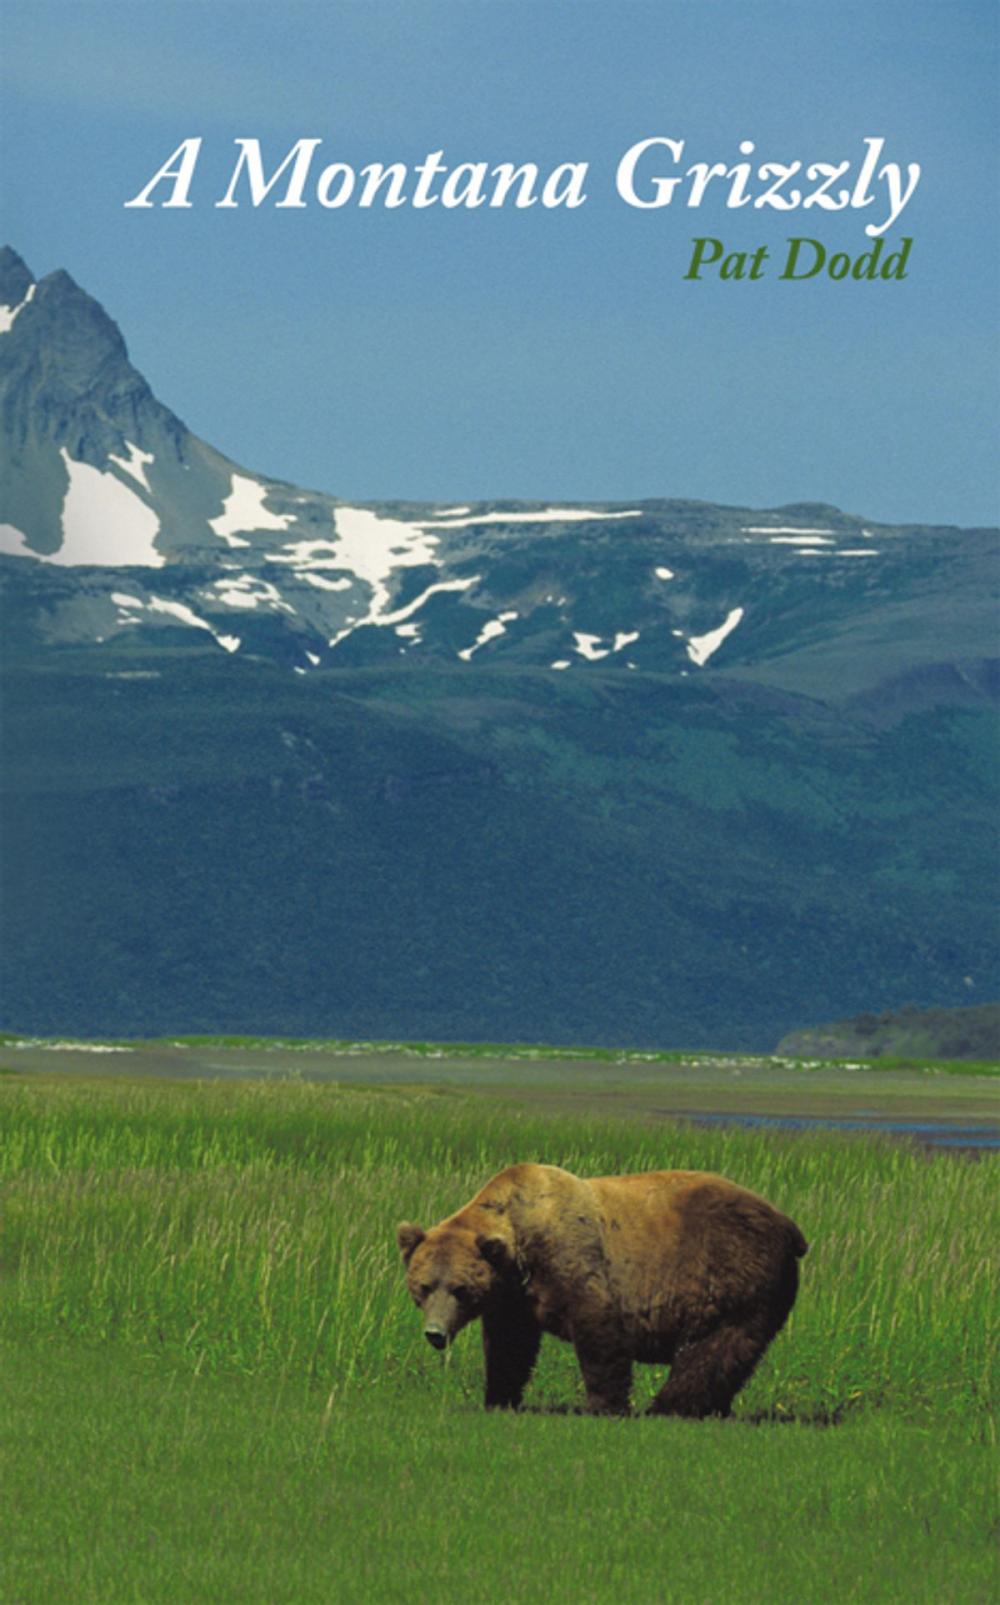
[(451, 1272)]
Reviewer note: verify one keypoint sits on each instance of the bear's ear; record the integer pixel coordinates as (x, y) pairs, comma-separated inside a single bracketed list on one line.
[(409, 1237), (494, 1251)]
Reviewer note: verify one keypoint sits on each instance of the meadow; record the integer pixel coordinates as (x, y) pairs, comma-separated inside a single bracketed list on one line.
[(216, 1388)]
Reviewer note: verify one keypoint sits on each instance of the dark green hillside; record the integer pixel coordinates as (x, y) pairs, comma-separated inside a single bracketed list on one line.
[(972, 1033), (468, 854)]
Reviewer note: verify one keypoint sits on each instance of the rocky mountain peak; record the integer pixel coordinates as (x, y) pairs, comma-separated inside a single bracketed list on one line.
[(73, 330), (67, 387), (15, 277)]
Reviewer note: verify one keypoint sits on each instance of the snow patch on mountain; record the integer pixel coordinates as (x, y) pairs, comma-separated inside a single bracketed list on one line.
[(104, 523), (784, 529), (135, 463), (380, 618), (489, 632), (559, 515), (589, 646), (14, 543), (371, 547), (321, 583), (174, 610), (418, 602), (701, 647), (8, 314), (243, 509), (250, 591), (664, 573), (811, 541)]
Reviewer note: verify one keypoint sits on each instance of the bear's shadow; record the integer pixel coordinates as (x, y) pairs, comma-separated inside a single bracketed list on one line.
[(755, 1418)]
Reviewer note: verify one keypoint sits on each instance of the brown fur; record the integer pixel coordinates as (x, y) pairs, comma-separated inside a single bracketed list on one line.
[(673, 1267)]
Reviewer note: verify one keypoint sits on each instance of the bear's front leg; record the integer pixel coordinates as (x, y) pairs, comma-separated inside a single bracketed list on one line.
[(511, 1339), (608, 1380)]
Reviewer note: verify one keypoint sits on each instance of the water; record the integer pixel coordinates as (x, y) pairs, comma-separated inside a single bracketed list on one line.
[(930, 1133), (577, 1086)]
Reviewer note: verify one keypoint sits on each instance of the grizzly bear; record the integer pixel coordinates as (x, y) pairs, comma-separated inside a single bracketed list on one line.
[(671, 1267)]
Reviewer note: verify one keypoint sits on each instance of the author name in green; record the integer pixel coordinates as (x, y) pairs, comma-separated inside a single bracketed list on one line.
[(805, 258)]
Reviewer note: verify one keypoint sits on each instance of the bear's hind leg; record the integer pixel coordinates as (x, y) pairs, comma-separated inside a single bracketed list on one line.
[(706, 1375)]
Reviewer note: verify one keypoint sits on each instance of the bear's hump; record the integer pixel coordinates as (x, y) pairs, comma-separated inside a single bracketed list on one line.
[(524, 1178)]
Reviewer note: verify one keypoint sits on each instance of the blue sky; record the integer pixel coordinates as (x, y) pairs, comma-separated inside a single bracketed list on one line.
[(451, 355)]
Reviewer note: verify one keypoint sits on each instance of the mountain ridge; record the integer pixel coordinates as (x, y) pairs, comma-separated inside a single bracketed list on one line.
[(661, 773), (97, 451)]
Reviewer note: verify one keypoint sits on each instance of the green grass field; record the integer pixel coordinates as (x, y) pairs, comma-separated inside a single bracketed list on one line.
[(216, 1389)]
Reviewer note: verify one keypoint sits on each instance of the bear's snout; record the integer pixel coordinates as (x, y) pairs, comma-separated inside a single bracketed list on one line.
[(444, 1317)]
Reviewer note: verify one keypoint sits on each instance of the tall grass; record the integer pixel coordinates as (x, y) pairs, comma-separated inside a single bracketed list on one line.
[(249, 1228)]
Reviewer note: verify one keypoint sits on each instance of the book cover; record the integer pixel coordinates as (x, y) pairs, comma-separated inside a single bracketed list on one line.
[(498, 728)]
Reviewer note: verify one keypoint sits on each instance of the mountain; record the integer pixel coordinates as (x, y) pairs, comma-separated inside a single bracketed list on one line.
[(659, 773), (971, 1033)]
